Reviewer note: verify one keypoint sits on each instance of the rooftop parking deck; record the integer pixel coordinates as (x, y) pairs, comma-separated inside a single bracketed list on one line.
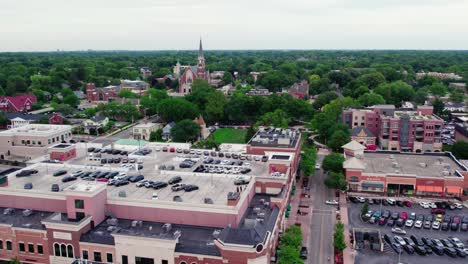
[(429, 165)]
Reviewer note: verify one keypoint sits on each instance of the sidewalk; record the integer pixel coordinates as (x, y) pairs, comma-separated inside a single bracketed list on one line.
[(302, 220), (348, 253)]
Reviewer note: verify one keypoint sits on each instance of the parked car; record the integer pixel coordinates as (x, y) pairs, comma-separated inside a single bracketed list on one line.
[(331, 202), (409, 223), (397, 247), (395, 215), (399, 231), (136, 178), (391, 222), (159, 185), (438, 211), (450, 252), (121, 183), (59, 173), (241, 180), (68, 178), (190, 187), (54, 188), (409, 249), (177, 198), (304, 252), (456, 241), (174, 180), (399, 240), (28, 186)]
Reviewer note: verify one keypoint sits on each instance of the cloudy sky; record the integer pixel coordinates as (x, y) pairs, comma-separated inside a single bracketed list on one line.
[(32, 25)]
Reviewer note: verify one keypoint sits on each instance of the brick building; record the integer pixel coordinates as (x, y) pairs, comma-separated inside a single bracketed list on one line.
[(397, 173), (403, 130), (18, 103)]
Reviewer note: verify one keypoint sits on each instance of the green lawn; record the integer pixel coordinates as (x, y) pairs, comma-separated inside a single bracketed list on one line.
[(230, 135)]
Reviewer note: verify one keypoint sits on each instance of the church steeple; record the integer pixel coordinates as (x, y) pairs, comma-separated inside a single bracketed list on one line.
[(200, 50)]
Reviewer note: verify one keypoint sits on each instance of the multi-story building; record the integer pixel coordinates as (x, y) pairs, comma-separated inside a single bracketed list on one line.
[(299, 90), (101, 94), (137, 87), (143, 131), (21, 119), (461, 132), (18, 103), (413, 131), (220, 222), (397, 173), (145, 72), (32, 140)]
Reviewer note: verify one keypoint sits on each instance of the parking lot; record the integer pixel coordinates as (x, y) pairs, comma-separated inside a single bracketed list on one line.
[(213, 181), (389, 255)]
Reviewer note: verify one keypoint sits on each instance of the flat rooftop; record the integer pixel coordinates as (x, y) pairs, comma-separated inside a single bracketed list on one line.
[(428, 165), (191, 239), (211, 185), (275, 137), (413, 115), (36, 130), (19, 218)]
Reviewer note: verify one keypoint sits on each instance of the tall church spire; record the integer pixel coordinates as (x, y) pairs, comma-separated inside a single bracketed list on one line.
[(200, 50)]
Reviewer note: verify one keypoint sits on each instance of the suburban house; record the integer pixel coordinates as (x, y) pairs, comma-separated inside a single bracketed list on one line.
[(166, 134), (145, 72), (204, 132), (18, 103), (95, 124), (21, 119), (143, 131), (299, 90)]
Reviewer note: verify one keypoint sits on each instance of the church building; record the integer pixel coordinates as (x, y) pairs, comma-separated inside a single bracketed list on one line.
[(186, 74)]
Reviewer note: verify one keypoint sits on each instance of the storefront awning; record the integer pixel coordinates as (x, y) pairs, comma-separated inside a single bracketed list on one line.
[(429, 188), (453, 190), (372, 184)]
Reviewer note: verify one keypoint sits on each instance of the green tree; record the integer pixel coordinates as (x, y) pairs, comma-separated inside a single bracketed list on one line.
[(185, 131), (278, 118), (324, 98), (176, 109), (156, 135), (457, 97), (371, 80), (42, 82), (250, 133), (152, 99), (396, 92), (439, 106), (338, 139), (227, 78), (421, 95), (336, 180), (65, 109), (288, 255), (201, 89), (292, 237), (339, 237), (208, 143), (438, 89), (215, 106), (333, 162), (370, 99), (308, 161), (3, 119), (126, 94), (71, 100), (2, 91), (364, 208), (14, 260), (15, 84), (460, 149)]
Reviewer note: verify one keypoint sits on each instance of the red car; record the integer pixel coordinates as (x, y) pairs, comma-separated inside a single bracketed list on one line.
[(404, 215), (407, 203), (102, 180), (456, 219), (171, 149), (438, 211)]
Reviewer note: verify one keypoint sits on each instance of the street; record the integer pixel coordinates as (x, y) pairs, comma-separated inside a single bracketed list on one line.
[(320, 242)]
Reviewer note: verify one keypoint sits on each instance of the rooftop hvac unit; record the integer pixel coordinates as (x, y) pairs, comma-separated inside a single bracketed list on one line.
[(216, 233), (167, 227), (447, 167), (134, 223), (257, 210), (8, 211), (259, 220), (112, 221), (392, 156), (266, 203), (111, 228), (262, 200), (27, 212), (177, 234), (397, 171), (445, 173), (440, 159), (261, 215), (422, 165), (395, 164)]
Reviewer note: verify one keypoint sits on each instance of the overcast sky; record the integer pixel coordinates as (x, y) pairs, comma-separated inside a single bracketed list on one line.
[(32, 25)]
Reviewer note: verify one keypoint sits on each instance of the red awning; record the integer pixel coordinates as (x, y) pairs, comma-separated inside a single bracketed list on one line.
[(453, 190)]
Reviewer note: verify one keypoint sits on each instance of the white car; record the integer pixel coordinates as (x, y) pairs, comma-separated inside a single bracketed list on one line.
[(458, 205), (432, 205), (409, 223), (391, 201), (155, 196), (317, 166), (418, 224), (361, 199), (141, 183), (398, 230), (424, 205), (76, 172), (436, 225), (457, 242), (331, 202)]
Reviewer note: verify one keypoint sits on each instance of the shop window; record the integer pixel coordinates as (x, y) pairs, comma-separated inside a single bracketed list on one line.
[(56, 249), (63, 250), (70, 251), (85, 254)]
